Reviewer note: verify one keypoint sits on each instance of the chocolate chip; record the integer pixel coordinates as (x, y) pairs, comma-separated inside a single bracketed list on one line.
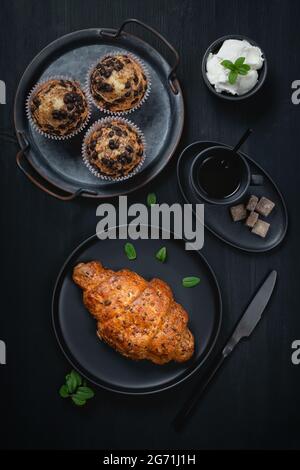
[(72, 98), (111, 134), (122, 158), (135, 78), (117, 130), (59, 114), (127, 94), (118, 66), (127, 84), (107, 162), (113, 144), (136, 93), (129, 148), (105, 87), (107, 73)]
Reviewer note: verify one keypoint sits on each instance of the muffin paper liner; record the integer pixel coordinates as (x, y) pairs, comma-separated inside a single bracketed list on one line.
[(36, 127), (139, 104), (92, 168)]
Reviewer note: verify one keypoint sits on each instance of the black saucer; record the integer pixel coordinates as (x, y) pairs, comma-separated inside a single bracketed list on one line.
[(218, 219)]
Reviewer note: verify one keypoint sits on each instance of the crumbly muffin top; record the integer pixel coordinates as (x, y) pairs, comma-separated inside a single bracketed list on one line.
[(118, 83), (115, 149), (58, 107)]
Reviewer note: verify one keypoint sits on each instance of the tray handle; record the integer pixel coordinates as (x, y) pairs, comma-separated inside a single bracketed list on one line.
[(21, 155), (172, 78)]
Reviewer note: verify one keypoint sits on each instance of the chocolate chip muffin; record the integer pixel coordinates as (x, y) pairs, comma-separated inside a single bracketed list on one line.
[(118, 83), (58, 107), (113, 148)]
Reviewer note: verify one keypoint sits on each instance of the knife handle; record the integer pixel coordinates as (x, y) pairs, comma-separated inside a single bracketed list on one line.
[(185, 412)]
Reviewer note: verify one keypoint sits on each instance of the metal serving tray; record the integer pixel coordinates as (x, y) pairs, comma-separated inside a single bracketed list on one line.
[(56, 166)]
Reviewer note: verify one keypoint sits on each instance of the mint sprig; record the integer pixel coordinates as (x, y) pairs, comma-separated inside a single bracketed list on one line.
[(76, 389), (237, 68)]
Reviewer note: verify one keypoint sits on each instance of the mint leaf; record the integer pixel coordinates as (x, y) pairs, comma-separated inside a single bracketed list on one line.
[(161, 255), (130, 251), (151, 199), (78, 401), (84, 393), (239, 61), (244, 69), (232, 77), (71, 383), (228, 64), (190, 281), (76, 377), (63, 391)]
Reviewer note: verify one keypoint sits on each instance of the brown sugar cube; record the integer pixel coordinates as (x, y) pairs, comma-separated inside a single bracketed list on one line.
[(238, 212), (261, 228), (264, 206), (252, 219), (252, 203)]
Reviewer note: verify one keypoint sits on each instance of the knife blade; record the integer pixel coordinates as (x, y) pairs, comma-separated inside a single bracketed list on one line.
[(244, 328), (253, 313)]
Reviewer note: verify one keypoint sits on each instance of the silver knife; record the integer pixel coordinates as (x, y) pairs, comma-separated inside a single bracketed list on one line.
[(244, 328)]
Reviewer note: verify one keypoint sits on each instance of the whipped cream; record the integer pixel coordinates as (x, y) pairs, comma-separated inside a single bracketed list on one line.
[(231, 50)]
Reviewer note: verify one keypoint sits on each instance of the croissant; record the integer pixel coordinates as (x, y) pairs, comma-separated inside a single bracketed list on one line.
[(140, 319)]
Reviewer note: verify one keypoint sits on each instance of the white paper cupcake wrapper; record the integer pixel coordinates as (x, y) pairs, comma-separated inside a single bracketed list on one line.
[(139, 104), (92, 168), (36, 127)]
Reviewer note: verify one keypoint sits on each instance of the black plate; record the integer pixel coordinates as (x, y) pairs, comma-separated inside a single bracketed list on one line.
[(160, 118), (217, 218), (76, 330)]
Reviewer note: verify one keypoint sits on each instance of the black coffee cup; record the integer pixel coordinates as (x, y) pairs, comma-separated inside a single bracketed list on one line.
[(222, 176)]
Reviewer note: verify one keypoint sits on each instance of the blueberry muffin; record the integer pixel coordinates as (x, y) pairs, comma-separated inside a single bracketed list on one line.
[(118, 83), (58, 107), (114, 148)]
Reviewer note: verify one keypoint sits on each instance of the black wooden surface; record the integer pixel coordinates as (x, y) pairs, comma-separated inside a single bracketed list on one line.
[(254, 402)]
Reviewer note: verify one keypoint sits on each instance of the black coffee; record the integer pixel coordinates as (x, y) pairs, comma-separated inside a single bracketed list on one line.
[(220, 177)]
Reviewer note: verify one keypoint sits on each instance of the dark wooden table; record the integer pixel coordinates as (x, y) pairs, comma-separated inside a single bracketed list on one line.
[(254, 402)]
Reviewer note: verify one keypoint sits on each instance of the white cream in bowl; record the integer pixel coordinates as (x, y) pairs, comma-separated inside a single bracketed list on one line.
[(231, 50)]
